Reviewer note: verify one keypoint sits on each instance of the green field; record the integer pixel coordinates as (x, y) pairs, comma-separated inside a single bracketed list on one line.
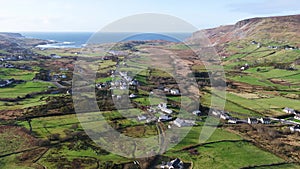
[(221, 150), (23, 89), (253, 107), (224, 154), (17, 74)]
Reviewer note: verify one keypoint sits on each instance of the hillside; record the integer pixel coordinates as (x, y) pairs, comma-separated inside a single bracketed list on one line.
[(283, 30), (261, 58)]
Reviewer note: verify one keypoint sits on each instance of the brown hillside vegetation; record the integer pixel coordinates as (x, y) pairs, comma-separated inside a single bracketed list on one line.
[(280, 29)]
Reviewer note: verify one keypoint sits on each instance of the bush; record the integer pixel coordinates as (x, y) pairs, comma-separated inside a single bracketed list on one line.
[(54, 137), (43, 142)]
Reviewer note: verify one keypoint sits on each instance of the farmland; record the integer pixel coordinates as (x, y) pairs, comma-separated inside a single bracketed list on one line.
[(143, 89)]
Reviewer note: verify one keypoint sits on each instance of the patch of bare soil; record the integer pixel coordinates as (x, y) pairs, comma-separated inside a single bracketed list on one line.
[(10, 114), (280, 82), (243, 87)]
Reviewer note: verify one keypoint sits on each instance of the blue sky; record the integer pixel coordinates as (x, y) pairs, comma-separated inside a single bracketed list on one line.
[(92, 15)]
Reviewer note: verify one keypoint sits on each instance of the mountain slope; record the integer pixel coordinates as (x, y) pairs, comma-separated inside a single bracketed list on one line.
[(268, 30)]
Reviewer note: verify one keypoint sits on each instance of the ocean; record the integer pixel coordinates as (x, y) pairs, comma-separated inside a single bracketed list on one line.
[(80, 39)]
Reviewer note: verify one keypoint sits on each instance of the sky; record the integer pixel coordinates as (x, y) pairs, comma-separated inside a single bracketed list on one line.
[(93, 15)]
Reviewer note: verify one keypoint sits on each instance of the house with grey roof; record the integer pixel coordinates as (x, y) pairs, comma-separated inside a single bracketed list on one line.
[(264, 120), (295, 128), (289, 110), (252, 120), (164, 118), (183, 123)]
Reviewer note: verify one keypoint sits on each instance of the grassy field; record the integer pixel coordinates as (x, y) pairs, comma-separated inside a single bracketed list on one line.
[(26, 103), (43, 127), (17, 74), (262, 78), (229, 106), (221, 151), (66, 155), (272, 105), (243, 53), (225, 154), (10, 162), (23, 89)]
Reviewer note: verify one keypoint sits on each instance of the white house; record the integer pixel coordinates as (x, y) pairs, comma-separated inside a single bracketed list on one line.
[(182, 123), (252, 120), (295, 128), (197, 112), (142, 117), (166, 89), (166, 110), (56, 57), (216, 113), (4, 83), (162, 105), (132, 95), (174, 92), (123, 87), (63, 76), (289, 110), (63, 69), (164, 118), (224, 116), (233, 120), (254, 43), (297, 117), (163, 108), (264, 120)]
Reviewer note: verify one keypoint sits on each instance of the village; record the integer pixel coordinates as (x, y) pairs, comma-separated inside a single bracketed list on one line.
[(121, 80), (259, 116)]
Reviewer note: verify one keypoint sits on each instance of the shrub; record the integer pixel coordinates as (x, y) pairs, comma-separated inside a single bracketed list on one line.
[(43, 142), (54, 137)]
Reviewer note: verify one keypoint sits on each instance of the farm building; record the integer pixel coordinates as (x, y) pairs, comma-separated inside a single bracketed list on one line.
[(295, 128), (164, 118), (174, 164), (289, 110), (264, 120), (182, 123), (142, 117), (197, 112), (252, 120), (174, 92)]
